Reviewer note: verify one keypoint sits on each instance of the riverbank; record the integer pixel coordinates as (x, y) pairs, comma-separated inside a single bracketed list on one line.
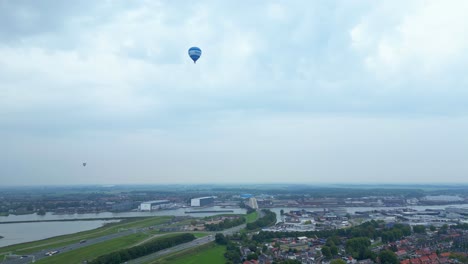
[(15, 234), (175, 212), (202, 212), (34, 227), (70, 220), (30, 237)]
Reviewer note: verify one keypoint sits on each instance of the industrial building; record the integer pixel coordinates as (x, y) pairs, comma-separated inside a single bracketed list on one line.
[(154, 205), (202, 201)]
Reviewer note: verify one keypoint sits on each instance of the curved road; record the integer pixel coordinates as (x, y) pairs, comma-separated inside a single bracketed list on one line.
[(191, 244), (18, 259), (197, 242)]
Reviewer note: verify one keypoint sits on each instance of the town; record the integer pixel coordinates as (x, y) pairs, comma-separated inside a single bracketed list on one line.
[(277, 224), (95, 199)]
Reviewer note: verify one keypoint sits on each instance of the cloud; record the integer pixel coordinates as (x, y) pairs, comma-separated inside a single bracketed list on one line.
[(418, 38), (118, 60), (96, 73)]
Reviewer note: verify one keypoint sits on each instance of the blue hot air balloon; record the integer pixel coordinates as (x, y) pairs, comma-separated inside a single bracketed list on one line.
[(194, 53)]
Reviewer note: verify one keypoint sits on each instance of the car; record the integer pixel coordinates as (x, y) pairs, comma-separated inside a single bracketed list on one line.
[(51, 253)]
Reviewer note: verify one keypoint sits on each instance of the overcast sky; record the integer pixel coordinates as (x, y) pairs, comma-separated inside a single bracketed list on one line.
[(285, 91)]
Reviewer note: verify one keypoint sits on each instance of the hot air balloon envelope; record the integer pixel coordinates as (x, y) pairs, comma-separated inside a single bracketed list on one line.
[(194, 53)]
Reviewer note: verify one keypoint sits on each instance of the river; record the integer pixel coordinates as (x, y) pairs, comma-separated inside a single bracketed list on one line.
[(25, 232), (175, 212)]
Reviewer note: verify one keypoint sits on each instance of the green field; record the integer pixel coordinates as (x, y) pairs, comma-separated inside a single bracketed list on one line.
[(210, 253), (199, 234), (61, 241), (96, 250), (93, 251), (251, 217)]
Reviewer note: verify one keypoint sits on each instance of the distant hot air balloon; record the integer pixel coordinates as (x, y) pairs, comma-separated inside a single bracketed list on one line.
[(194, 53), (84, 164)]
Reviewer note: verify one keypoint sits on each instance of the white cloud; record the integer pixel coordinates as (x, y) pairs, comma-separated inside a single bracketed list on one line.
[(114, 79), (277, 11), (421, 38)]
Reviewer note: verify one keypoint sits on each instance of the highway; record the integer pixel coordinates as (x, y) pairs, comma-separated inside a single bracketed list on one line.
[(17, 259), (191, 244), (41, 254)]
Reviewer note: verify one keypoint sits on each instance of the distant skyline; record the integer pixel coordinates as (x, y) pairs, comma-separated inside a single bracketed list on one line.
[(285, 91)]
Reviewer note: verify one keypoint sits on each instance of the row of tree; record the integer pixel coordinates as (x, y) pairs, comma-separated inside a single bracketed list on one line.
[(269, 218), (143, 250)]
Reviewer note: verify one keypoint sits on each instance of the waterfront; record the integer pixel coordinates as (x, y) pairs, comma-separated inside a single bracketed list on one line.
[(26, 232), (352, 210), (175, 212)]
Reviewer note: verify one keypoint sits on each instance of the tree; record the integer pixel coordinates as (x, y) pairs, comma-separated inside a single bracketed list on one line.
[(282, 212), (459, 257), (329, 243), (252, 256), (334, 250), (357, 246), (147, 248), (232, 252), (335, 239), (388, 257), (289, 261), (253, 247), (443, 229), (420, 229), (220, 239), (432, 228), (326, 252), (41, 212)]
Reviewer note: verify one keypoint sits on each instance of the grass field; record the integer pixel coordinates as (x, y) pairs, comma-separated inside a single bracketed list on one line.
[(60, 241), (198, 235), (93, 251), (210, 253), (251, 217)]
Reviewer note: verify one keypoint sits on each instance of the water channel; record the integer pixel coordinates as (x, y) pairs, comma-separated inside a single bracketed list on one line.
[(25, 232)]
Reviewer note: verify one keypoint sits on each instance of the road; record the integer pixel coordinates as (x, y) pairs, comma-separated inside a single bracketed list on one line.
[(41, 254), (197, 242), (191, 244)]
